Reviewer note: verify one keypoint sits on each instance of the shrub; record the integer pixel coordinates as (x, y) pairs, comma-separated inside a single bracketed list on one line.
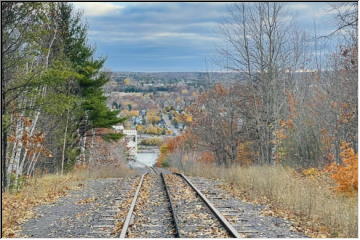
[(151, 141), (150, 129), (165, 164), (346, 174)]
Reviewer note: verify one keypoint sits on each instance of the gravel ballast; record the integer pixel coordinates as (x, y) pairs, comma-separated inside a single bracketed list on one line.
[(78, 213)]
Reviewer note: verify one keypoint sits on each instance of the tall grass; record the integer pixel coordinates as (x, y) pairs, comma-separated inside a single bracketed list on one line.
[(309, 197)]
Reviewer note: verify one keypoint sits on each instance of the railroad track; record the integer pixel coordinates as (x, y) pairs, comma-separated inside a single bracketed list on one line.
[(246, 219), (154, 170), (184, 211), (131, 209)]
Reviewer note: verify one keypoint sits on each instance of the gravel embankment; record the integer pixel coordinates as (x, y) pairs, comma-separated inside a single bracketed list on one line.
[(78, 214)]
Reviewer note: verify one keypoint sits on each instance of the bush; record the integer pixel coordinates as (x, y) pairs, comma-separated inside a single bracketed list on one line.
[(346, 175), (151, 129), (151, 141), (165, 164)]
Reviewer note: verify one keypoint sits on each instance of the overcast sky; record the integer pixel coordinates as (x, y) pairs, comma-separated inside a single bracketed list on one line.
[(173, 37)]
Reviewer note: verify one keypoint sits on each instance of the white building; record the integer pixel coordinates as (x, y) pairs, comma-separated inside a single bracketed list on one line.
[(131, 141), (119, 128)]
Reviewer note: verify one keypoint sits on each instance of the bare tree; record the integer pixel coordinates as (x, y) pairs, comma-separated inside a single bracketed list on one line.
[(220, 122), (260, 49), (347, 19)]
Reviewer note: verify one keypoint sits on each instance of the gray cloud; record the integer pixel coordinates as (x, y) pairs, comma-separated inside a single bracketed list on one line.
[(181, 34)]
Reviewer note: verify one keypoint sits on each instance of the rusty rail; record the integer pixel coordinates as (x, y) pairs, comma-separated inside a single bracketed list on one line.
[(216, 212), (172, 209), (131, 210), (154, 170)]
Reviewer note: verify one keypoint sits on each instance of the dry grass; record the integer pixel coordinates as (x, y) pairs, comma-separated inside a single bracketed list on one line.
[(318, 210), (17, 206)]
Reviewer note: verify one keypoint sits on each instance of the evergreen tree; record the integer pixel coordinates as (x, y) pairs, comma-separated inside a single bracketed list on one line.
[(52, 88)]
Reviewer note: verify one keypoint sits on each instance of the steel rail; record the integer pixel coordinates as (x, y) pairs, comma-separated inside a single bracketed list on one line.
[(131, 210), (177, 232), (216, 212), (154, 170)]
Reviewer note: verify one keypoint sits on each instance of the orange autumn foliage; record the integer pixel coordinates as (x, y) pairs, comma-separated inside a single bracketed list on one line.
[(291, 104), (169, 146), (245, 155), (206, 157), (31, 142), (346, 174)]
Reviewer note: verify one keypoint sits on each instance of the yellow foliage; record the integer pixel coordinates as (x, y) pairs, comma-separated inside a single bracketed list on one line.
[(311, 172), (132, 113), (151, 141), (140, 128), (153, 130), (188, 118), (183, 118), (127, 81), (184, 91), (150, 129), (152, 117)]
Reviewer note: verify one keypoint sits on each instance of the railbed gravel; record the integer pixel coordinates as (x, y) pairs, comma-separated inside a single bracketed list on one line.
[(195, 219), (76, 214)]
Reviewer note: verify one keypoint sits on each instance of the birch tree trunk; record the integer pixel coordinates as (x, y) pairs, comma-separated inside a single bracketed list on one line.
[(91, 153), (64, 144), (82, 157), (19, 169), (33, 163), (11, 166)]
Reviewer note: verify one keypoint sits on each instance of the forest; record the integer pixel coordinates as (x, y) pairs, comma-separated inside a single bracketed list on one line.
[(52, 92)]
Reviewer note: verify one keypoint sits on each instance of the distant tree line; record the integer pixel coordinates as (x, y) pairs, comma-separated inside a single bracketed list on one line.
[(147, 89)]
